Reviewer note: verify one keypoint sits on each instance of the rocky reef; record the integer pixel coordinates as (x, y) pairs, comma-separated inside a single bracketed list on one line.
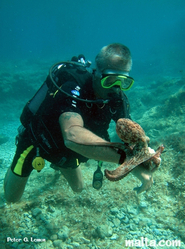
[(50, 215)]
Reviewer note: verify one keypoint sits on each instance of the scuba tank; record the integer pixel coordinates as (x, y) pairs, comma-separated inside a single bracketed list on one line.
[(33, 105)]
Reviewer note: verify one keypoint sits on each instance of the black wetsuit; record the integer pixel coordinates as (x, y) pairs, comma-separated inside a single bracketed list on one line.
[(44, 130)]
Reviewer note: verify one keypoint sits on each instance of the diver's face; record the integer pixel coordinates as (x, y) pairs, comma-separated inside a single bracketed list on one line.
[(112, 92)]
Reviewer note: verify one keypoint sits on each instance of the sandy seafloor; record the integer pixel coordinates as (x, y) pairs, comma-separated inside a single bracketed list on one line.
[(50, 215)]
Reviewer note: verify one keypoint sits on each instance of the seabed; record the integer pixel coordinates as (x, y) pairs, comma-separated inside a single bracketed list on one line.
[(51, 215)]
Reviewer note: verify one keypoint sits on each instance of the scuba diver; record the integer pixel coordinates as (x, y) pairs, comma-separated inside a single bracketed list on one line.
[(72, 110)]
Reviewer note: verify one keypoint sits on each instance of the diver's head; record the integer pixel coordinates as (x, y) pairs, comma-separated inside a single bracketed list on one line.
[(114, 56), (113, 64)]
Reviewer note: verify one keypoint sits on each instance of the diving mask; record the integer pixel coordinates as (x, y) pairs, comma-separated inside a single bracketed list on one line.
[(112, 78)]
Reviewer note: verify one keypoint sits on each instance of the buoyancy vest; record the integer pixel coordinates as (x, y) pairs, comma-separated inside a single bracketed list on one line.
[(59, 74), (39, 113)]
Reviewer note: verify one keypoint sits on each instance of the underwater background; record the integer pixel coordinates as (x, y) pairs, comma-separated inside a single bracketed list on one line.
[(36, 34)]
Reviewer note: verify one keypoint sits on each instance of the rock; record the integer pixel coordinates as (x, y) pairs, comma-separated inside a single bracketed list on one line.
[(143, 204), (58, 243), (120, 216), (132, 210), (68, 247), (36, 230), (109, 231), (51, 226), (156, 231), (136, 221), (75, 244), (51, 209), (48, 244), (114, 237), (26, 214), (147, 221), (63, 233), (133, 232), (41, 217), (103, 231), (114, 211), (86, 241), (54, 237), (133, 227), (116, 222), (126, 220), (36, 211)]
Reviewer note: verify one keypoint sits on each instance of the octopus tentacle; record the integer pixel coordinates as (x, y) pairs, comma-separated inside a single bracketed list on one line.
[(132, 133), (129, 165)]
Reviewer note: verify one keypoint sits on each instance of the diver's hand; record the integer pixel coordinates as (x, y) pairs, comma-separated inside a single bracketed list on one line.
[(153, 163), (146, 179), (144, 172)]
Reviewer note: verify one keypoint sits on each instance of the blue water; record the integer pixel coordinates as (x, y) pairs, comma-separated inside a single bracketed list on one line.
[(62, 28)]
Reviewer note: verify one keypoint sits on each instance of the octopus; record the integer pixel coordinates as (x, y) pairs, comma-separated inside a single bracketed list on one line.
[(136, 148)]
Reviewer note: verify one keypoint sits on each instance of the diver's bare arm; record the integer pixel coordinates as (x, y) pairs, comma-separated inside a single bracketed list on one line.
[(76, 137)]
